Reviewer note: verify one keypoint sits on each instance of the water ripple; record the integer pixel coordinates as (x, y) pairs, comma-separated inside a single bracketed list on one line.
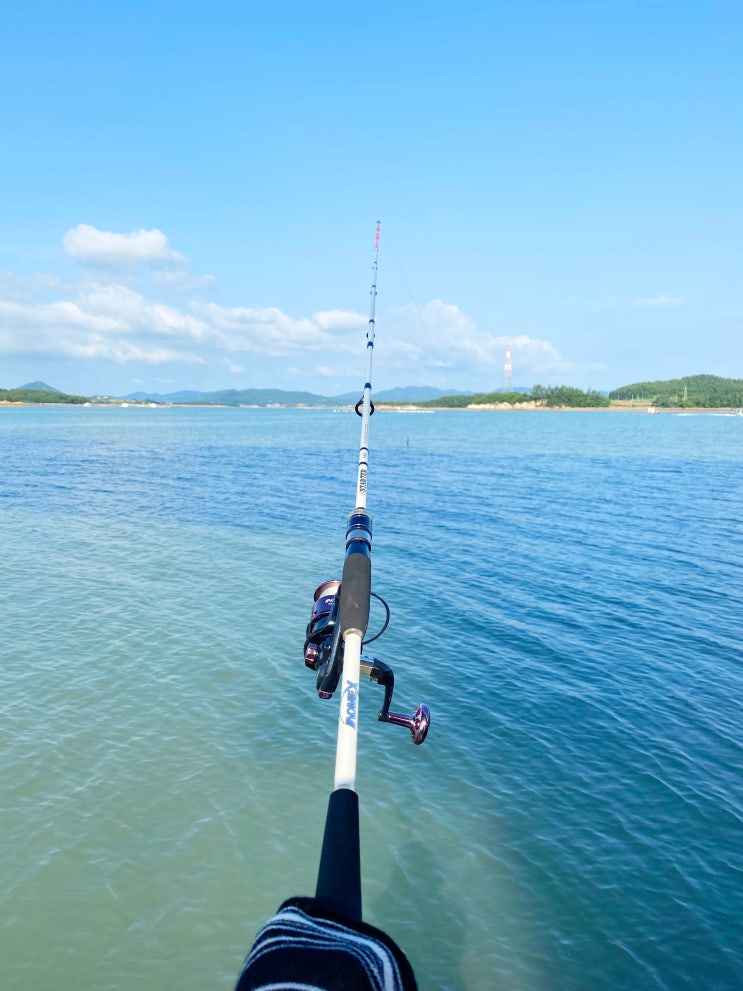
[(566, 595)]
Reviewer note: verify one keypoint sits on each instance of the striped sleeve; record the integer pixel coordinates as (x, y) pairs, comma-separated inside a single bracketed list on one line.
[(305, 948)]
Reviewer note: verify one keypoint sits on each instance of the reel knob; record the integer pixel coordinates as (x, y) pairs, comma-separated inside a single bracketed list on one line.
[(418, 723)]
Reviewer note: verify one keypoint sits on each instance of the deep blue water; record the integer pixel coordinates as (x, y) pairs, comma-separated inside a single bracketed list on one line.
[(566, 596)]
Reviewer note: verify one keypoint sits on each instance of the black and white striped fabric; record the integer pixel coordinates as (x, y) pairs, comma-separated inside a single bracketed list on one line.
[(304, 947)]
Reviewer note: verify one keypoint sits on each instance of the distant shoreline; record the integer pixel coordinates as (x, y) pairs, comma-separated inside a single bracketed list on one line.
[(534, 408), (618, 406)]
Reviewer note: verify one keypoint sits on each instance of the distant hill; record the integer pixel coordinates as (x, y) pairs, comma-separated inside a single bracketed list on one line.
[(281, 397), (235, 397), (39, 387), (28, 394), (184, 396), (263, 397), (694, 390), (710, 391)]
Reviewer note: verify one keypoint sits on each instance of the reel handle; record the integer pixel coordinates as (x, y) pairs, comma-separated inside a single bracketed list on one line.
[(418, 723)]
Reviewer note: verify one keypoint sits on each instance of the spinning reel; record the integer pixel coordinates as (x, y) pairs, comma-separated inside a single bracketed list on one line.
[(323, 653)]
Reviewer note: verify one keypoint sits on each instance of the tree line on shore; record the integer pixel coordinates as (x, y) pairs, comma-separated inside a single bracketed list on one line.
[(699, 391), (710, 391), (545, 395), (39, 396)]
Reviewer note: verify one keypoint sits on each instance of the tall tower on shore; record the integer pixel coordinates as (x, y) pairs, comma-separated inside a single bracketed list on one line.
[(507, 372)]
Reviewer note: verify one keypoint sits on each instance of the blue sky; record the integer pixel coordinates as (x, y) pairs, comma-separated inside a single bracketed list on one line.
[(188, 193)]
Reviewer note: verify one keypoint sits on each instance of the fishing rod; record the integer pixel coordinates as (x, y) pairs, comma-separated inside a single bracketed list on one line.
[(323, 942), (333, 649)]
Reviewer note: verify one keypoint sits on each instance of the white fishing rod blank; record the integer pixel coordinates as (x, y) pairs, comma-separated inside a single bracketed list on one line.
[(333, 648), (356, 581)]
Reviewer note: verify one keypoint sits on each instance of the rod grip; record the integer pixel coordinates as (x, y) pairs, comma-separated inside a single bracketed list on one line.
[(339, 876), (355, 592)]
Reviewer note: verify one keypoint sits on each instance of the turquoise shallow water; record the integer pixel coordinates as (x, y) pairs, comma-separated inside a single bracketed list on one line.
[(566, 596)]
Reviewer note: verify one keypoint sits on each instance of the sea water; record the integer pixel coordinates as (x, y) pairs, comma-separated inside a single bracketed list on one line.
[(566, 595)]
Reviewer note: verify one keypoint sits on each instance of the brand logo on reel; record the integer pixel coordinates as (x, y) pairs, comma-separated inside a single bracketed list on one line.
[(351, 703)]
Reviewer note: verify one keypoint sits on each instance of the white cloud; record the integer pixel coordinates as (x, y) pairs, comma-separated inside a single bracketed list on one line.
[(64, 313), (123, 352), (141, 316), (534, 356), (66, 329), (108, 319), (271, 332), (342, 321), (111, 317), (110, 322), (435, 344), (88, 244), (440, 338)]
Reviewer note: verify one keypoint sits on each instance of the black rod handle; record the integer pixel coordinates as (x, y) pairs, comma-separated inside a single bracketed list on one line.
[(356, 580), (339, 877), (355, 594)]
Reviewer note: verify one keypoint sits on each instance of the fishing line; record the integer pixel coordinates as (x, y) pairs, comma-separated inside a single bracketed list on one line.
[(411, 298)]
